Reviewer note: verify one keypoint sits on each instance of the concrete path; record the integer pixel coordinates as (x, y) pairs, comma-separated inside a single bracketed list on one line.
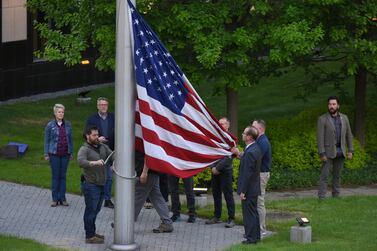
[(25, 213)]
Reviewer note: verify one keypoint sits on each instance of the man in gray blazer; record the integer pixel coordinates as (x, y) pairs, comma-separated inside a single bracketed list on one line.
[(334, 139)]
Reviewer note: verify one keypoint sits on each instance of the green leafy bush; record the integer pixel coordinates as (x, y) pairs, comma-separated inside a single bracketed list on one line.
[(295, 159)]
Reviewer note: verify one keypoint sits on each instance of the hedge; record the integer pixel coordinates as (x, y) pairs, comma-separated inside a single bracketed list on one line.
[(295, 161)]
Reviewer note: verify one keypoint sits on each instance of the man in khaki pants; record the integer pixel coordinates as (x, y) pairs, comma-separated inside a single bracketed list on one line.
[(265, 147), (334, 139)]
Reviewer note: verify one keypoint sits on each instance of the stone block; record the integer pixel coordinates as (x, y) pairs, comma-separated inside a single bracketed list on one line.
[(301, 234)]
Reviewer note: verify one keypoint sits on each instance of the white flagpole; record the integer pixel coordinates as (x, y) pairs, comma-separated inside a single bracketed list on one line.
[(124, 133)]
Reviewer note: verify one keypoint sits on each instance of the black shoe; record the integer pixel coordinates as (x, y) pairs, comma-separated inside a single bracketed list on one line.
[(230, 223), (175, 218), (108, 204), (164, 228), (191, 219), (249, 242)]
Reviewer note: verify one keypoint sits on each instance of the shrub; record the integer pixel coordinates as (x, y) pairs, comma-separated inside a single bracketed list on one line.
[(295, 160)]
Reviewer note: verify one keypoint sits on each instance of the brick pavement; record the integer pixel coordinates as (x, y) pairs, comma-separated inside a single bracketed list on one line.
[(26, 213)]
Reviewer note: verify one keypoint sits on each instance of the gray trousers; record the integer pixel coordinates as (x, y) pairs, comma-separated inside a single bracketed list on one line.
[(337, 165), (151, 189)]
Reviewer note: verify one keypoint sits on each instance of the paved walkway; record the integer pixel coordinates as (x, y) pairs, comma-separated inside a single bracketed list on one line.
[(25, 213)]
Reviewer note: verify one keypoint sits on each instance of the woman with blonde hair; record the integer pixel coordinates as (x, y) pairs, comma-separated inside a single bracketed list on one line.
[(58, 149)]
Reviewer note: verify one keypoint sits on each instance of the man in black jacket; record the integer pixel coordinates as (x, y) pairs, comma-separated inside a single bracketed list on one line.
[(105, 122), (222, 178), (249, 184)]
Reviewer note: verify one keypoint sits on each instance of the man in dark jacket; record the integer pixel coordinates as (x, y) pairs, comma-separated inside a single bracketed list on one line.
[(249, 185), (91, 158), (222, 178), (105, 122), (265, 147)]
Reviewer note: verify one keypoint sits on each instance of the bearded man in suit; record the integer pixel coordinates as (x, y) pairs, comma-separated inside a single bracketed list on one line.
[(249, 184), (334, 139)]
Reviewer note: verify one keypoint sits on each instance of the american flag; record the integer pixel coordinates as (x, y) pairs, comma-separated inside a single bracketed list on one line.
[(174, 128)]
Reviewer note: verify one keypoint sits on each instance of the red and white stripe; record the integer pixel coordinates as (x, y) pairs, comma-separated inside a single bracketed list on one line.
[(179, 145)]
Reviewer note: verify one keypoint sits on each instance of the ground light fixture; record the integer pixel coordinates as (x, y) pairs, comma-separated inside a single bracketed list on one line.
[(302, 221)]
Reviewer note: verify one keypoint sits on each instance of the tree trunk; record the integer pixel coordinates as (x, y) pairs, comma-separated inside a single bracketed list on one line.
[(232, 109), (360, 108)]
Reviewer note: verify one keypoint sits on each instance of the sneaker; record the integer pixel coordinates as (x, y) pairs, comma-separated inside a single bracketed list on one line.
[(94, 240), (54, 204), (214, 220), (64, 203), (99, 236), (175, 218), (108, 204), (230, 224), (191, 219), (148, 205), (164, 228)]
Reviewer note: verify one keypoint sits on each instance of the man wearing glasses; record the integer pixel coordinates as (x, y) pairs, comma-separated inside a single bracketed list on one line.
[(105, 122)]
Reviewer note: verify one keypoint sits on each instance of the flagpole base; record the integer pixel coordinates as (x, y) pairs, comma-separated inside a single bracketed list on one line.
[(121, 247)]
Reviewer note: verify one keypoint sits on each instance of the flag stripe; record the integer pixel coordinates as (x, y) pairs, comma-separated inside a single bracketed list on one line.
[(166, 124), (160, 165), (185, 122)]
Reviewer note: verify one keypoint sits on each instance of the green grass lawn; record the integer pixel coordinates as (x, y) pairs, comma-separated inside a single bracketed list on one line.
[(337, 224), (9, 243), (272, 99)]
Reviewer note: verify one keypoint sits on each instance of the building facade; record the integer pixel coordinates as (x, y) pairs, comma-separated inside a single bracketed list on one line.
[(21, 73)]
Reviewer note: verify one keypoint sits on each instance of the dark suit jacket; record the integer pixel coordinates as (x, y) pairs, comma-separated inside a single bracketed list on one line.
[(326, 138), (95, 119), (248, 176)]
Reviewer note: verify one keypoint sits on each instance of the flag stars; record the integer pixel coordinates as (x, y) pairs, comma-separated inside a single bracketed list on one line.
[(155, 52), (171, 96), (152, 42), (137, 52), (175, 82), (141, 33), (179, 93), (165, 74), (145, 70), (159, 89), (172, 72), (168, 85), (160, 63), (146, 44), (149, 81), (141, 60)]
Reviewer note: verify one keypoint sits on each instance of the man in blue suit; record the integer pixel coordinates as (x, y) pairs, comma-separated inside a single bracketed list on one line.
[(249, 184), (105, 122)]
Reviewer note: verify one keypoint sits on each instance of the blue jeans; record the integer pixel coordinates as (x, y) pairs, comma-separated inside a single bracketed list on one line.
[(109, 182), (59, 166), (93, 195)]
